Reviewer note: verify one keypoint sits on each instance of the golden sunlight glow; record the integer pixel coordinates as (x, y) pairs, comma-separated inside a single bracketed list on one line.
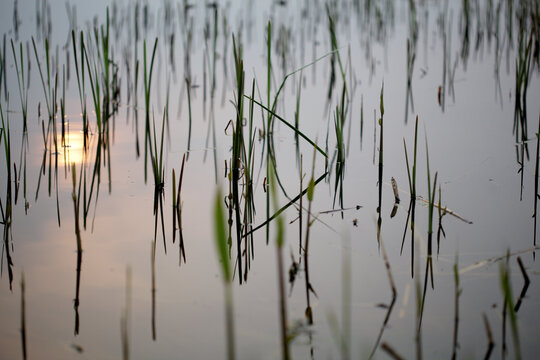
[(73, 147)]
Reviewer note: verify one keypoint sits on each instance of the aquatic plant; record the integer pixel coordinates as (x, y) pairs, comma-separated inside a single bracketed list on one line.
[(220, 237), (23, 89)]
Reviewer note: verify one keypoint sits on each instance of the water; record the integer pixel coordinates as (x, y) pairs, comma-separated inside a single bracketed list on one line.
[(471, 146)]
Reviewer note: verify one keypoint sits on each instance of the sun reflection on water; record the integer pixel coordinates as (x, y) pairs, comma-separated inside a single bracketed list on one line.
[(73, 147)]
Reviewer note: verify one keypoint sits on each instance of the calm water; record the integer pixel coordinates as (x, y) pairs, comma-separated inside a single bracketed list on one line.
[(464, 97)]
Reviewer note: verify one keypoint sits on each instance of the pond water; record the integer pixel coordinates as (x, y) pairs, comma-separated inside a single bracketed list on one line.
[(469, 71)]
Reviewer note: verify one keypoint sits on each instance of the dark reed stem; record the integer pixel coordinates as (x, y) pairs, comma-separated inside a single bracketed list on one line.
[(419, 311), (284, 207), (509, 306), (411, 175), (491, 343), (379, 219), (391, 351), (536, 193), (23, 90), (525, 284), (300, 207), (268, 121), (23, 318), (147, 91), (309, 288), (153, 264), (394, 296), (457, 294), (178, 204), (238, 142), (7, 213), (440, 229), (76, 203), (188, 87), (125, 319)]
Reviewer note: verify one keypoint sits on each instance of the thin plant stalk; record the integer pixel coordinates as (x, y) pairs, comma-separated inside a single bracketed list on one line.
[(7, 214), (491, 343), (147, 92), (280, 239), (220, 235), (536, 175), (153, 264), (238, 142), (381, 123), (23, 318), (506, 288), (188, 87), (394, 296), (23, 90), (125, 319), (309, 288), (457, 294)]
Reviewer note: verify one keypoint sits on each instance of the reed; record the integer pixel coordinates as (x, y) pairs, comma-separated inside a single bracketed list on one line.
[(220, 231), (339, 123), (50, 92), (457, 294), (431, 202), (361, 121), (153, 265), (248, 154), (47, 88), (23, 89), (3, 81), (290, 126), (177, 211), (23, 318), (7, 213), (76, 206), (491, 343), (522, 75), (381, 159), (309, 222), (506, 288), (429, 258), (75, 196), (394, 295), (334, 42), (526, 283), (268, 119), (95, 87), (419, 313), (411, 57), (297, 119), (271, 115), (286, 206), (158, 171), (390, 351), (280, 239), (536, 191), (411, 176), (238, 142), (79, 72), (440, 229), (104, 54), (125, 318), (147, 92), (188, 88)]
